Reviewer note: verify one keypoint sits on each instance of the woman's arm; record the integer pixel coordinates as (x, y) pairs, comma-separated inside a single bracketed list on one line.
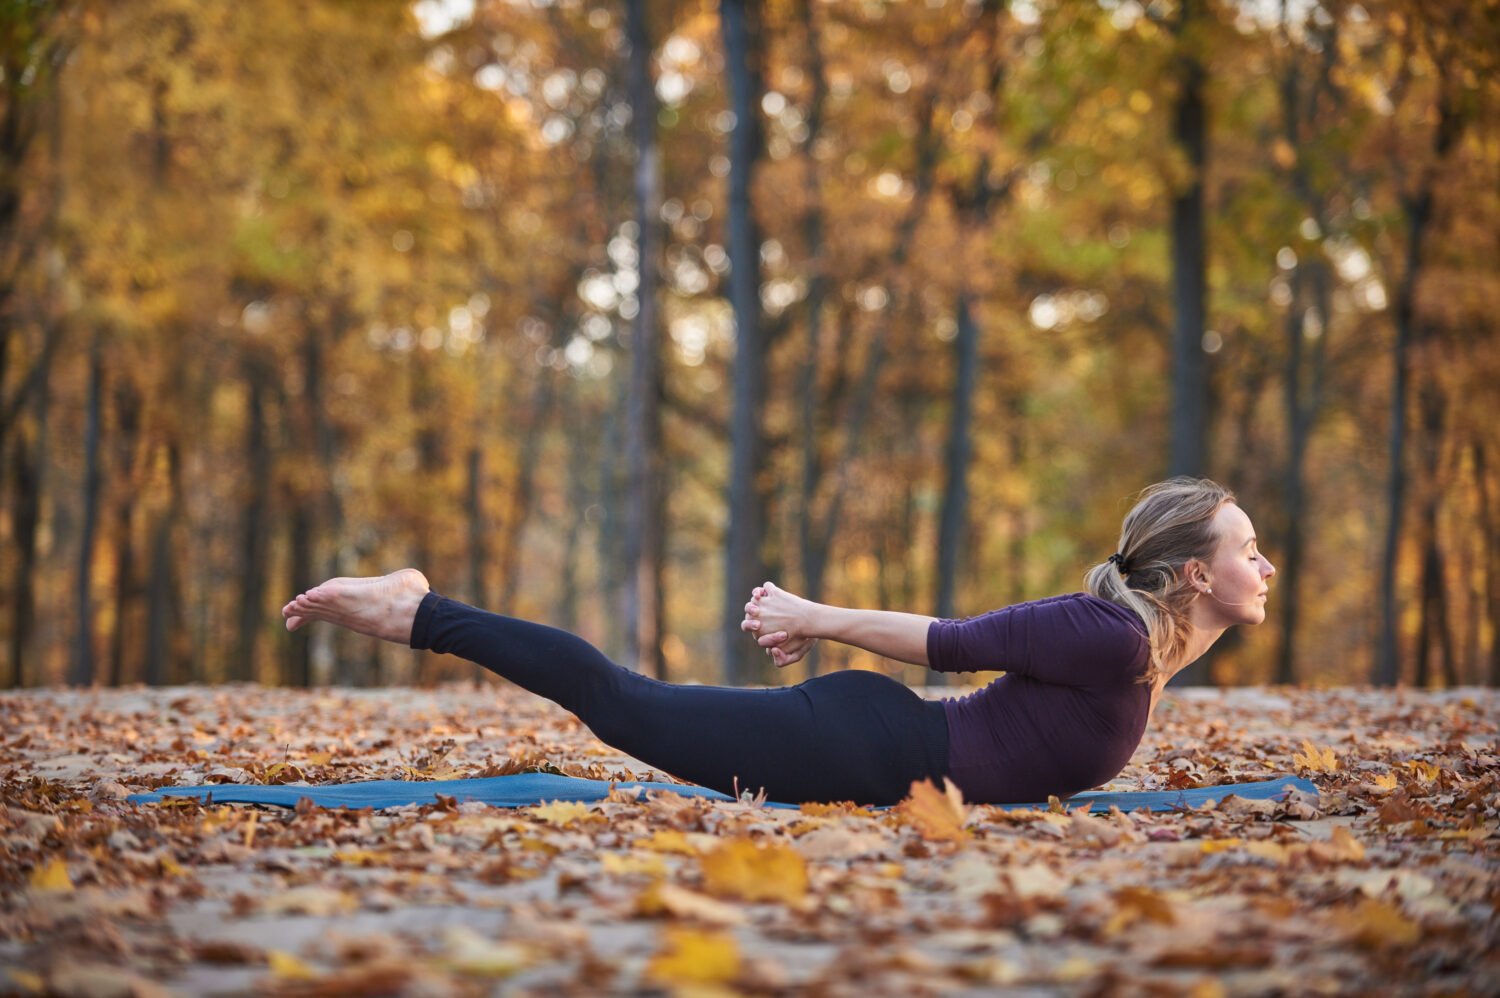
[(787, 625)]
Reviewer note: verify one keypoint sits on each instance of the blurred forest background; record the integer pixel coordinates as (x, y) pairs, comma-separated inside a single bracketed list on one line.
[(601, 312)]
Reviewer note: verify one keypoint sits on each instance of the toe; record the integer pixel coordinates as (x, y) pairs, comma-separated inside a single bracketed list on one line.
[(293, 622)]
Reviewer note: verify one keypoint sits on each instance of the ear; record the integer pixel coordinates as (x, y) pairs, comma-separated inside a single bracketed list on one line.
[(1196, 573)]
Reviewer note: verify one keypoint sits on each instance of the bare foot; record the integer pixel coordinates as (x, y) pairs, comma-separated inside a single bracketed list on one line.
[(383, 606)]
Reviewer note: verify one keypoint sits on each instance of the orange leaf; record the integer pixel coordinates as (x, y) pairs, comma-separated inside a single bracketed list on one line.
[(936, 814), (1378, 924), (743, 869)]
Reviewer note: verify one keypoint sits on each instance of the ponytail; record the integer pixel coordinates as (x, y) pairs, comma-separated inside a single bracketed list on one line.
[(1170, 524)]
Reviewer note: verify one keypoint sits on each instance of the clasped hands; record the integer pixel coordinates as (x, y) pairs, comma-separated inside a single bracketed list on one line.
[(781, 623)]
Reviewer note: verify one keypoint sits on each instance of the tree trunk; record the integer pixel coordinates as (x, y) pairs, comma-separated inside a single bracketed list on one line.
[(541, 405), (163, 608), (958, 454), (1434, 627), (641, 603), (81, 671), (28, 462), (744, 568), (1403, 315), (253, 554), (297, 665), (578, 432), (817, 291), (474, 501), (128, 424), (1189, 369), (1490, 534)]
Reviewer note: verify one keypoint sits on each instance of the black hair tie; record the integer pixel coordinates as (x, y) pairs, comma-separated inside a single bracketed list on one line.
[(1119, 559)]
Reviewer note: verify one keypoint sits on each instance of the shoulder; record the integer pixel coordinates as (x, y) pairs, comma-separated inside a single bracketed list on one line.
[(1094, 627), (1082, 610)]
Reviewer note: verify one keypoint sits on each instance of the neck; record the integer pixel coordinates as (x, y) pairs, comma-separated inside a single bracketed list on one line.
[(1202, 633)]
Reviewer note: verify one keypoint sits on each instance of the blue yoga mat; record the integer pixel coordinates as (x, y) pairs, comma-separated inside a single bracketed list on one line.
[(523, 789)]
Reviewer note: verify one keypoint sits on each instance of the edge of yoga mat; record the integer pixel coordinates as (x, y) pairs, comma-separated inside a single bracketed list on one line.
[(526, 789)]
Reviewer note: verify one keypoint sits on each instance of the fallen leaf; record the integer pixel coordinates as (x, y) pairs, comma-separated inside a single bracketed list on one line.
[(632, 863), (1138, 904), (468, 952), (309, 900), (662, 898), (560, 812), (936, 814), (1314, 759), (839, 842), (100, 980), (26, 980), (1035, 880), (284, 964), (1377, 924), (51, 877), (691, 956), (1341, 847), (742, 868)]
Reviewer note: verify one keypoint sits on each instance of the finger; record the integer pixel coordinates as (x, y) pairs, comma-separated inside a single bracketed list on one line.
[(771, 640), (749, 625)]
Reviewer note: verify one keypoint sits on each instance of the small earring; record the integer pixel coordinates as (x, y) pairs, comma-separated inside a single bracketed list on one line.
[(1209, 590)]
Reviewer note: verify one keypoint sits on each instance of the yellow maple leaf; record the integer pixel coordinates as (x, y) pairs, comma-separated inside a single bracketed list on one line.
[(692, 956), (284, 964), (52, 877), (1315, 759), (936, 814), (560, 812), (1426, 771), (741, 868), (1386, 782)]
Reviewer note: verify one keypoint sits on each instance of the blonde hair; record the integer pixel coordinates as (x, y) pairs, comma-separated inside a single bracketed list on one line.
[(1171, 523)]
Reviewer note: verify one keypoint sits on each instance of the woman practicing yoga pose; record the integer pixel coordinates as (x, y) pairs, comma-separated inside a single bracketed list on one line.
[(1082, 672)]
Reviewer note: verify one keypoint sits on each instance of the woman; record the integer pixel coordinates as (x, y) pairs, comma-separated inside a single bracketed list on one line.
[(1082, 672)]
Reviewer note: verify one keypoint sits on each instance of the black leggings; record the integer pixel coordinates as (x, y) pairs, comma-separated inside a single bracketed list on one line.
[(846, 736)]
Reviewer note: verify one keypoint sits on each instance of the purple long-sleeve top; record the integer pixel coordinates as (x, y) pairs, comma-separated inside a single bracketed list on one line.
[(1070, 709)]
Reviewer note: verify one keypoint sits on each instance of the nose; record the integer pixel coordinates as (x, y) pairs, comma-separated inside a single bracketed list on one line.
[(1267, 569)]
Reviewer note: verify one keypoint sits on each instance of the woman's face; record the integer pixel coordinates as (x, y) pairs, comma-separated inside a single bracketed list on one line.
[(1237, 573)]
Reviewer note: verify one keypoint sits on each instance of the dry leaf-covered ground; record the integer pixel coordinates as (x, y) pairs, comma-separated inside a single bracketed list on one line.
[(1386, 883)]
